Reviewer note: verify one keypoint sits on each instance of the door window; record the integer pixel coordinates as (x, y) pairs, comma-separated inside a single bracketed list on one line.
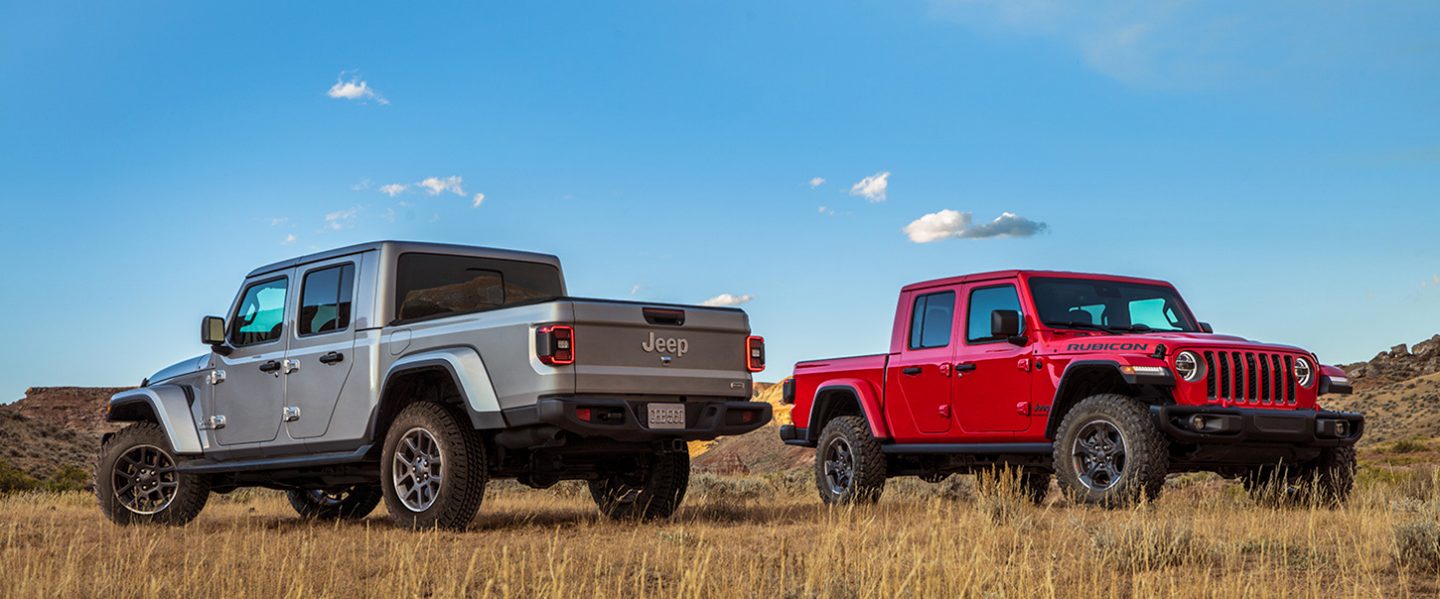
[(433, 285), (260, 317), (985, 301), (931, 320), (325, 299)]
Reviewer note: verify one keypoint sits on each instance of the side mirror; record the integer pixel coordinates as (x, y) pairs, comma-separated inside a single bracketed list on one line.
[(1206, 328), (1005, 324), (212, 331)]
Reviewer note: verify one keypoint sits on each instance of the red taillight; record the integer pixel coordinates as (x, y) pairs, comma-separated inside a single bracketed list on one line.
[(555, 344), (583, 414), (754, 353), (747, 417)]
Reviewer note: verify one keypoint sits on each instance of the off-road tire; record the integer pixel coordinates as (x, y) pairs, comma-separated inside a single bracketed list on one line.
[(191, 490), (353, 503), (464, 468), (665, 481), (1146, 455), (1035, 485), (1326, 480), (865, 481)]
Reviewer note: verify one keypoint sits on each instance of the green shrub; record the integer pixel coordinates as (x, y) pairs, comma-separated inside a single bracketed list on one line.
[(15, 480), (1417, 545), (68, 477)]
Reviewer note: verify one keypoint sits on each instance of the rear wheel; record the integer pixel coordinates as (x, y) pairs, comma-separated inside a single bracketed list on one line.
[(433, 468), (849, 464), (352, 503), (1109, 452), (652, 494), (136, 481)]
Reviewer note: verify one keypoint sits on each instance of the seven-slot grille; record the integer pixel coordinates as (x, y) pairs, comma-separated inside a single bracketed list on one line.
[(1250, 377)]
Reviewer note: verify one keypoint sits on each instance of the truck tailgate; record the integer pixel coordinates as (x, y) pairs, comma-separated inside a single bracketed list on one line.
[(630, 348)]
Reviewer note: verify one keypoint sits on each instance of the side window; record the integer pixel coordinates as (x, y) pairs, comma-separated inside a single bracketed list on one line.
[(430, 285), (325, 298), (260, 317), (931, 320), (982, 303)]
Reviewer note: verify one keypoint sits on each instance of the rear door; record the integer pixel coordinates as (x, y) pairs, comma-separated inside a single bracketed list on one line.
[(918, 378), (322, 345), (624, 348), (991, 391)]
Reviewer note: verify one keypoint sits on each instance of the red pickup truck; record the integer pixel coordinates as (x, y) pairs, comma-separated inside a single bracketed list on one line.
[(1107, 383)]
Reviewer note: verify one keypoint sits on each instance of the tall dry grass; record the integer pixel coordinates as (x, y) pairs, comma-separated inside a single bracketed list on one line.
[(749, 537)]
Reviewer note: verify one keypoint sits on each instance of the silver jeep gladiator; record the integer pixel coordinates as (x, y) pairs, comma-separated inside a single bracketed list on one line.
[(415, 372)]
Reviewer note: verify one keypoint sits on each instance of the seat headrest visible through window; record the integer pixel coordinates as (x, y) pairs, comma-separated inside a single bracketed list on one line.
[(1079, 316)]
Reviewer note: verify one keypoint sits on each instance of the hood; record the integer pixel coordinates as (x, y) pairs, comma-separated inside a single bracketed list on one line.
[(181, 368), (1146, 342)]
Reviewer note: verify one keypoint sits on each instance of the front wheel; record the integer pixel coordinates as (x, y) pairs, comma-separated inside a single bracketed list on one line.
[(1109, 452), (136, 480), (654, 494), (433, 468), (353, 503), (849, 464)]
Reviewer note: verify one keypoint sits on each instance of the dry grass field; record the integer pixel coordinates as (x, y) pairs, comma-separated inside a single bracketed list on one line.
[(755, 537)]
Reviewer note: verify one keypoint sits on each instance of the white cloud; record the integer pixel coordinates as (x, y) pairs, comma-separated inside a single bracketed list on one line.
[(816, 182), (363, 185), (827, 211), (947, 224), (393, 189), (728, 299), (354, 88), (289, 239), (479, 199), (435, 185), (341, 219), (873, 187), (634, 289), (275, 222)]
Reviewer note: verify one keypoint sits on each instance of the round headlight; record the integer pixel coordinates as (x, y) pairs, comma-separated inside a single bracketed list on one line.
[(1187, 365), (1304, 373)]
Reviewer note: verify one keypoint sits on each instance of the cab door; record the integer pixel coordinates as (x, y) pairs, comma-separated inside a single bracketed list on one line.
[(321, 347), (249, 394), (991, 389), (917, 379)]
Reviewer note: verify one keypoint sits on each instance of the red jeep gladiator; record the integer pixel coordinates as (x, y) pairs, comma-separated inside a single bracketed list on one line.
[(1109, 383)]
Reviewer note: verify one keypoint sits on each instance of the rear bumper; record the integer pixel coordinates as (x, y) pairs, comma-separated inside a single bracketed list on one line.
[(626, 420), (1206, 425), (795, 436)]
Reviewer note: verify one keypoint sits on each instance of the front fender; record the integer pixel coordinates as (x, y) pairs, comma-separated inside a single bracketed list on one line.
[(468, 371), (864, 394), (1078, 369), (170, 407)]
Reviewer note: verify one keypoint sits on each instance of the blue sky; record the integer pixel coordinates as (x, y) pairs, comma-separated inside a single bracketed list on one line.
[(1280, 164)]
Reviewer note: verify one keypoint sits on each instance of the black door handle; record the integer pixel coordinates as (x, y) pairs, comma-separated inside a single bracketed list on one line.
[(332, 358), (270, 366), (967, 367), (911, 371)]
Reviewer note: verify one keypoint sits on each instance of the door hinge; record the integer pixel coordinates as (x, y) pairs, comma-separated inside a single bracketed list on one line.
[(215, 377), (290, 413), (1023, 364), (1022, 408), (213, 423), (288, 366), (944, 411)]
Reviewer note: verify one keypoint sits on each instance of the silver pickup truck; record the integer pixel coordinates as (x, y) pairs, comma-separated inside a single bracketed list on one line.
[(415, 373)]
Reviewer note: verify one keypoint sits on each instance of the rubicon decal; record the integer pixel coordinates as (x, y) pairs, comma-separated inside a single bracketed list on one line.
[(1108, 347)]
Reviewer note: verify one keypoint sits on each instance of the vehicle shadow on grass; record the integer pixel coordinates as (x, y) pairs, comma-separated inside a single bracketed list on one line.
[(699, 513)]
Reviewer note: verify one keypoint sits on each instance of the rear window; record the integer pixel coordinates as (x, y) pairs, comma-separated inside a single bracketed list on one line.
[(430, 285)]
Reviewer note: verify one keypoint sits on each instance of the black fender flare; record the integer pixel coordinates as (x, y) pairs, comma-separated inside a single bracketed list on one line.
[(467, 372), (1064, 399)]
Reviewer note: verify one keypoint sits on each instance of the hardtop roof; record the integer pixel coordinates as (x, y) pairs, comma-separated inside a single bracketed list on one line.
[(400, 247), (1022, 273)]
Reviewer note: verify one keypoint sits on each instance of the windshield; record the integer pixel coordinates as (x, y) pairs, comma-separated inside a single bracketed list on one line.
[(1109, 306)]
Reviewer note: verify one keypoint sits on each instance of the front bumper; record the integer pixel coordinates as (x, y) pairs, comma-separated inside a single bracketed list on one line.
[(1207, 425), (626, 420)]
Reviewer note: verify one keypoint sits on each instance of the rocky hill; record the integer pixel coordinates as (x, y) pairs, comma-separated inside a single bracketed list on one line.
[(1399, 392), (52, 434)]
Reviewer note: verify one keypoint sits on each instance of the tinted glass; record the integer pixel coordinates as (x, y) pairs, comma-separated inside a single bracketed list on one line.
[(985, 301), (932, 320), (1085, 303), (429, 285), (325, 298), (260, 316)]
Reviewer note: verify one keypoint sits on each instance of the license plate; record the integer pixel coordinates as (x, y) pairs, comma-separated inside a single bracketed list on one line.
[(666, 415)]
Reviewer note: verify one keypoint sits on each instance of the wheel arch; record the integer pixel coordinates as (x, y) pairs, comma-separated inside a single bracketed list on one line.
[(1083, 378), (845, 397), (455, 375), (165, 405)]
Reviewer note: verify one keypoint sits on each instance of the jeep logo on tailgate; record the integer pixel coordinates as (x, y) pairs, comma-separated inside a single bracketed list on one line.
[(673, 345)]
